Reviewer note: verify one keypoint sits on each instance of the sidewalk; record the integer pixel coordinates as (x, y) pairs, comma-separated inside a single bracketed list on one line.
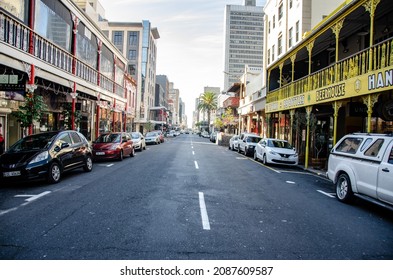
[(319, 172)]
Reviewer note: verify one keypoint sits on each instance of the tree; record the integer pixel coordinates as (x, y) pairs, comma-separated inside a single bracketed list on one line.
[(208, 103), (32, 110), (67, 113)]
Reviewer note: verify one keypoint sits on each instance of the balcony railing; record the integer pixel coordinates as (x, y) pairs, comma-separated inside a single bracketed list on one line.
[(355, 65), (18, 35)]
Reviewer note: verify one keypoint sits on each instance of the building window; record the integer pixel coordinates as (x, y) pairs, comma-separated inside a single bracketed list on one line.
[(118, 38), (131, 69), (290, 4), (280, 11), (269, 27), (297, 31), (290, 37), (133, 38), (132, 54), (273, 47), (274, 22), (268, 57), (279, 45)]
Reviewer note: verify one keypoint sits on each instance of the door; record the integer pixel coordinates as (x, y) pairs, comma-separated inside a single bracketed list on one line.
[(63, 151), (385, 179)]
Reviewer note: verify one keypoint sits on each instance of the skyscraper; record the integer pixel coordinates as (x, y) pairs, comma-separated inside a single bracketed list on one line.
[(244, 29)]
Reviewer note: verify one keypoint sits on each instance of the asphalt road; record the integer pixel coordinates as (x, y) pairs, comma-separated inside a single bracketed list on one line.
[(189, 199)]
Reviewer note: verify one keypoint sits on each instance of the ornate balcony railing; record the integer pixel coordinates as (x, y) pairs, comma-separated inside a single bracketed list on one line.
[(18, 35), (355, 65)]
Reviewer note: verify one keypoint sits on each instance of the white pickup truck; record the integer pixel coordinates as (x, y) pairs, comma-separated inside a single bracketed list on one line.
[(362, 164)]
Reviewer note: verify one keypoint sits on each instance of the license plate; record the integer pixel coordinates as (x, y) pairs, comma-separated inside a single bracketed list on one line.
[(100, 153), (11, 174)]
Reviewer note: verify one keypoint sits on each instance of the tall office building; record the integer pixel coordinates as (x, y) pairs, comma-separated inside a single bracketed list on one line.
[(244, 29)]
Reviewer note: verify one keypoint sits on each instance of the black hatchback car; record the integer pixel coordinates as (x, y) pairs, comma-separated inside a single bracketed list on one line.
[(46, 156)]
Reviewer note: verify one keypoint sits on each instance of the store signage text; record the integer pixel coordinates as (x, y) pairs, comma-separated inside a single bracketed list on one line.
[(297, 100), (380, 80), (331, 92)]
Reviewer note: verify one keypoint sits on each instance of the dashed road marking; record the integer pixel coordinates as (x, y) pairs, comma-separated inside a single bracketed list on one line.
[(196, 164), (204, 216)]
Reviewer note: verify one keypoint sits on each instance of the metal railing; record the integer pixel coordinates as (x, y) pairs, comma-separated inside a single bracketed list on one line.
[(18, 35), (374, 58)]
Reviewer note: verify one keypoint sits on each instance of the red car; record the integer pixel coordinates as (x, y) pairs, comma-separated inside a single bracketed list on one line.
[(113, 145), (161, 135)]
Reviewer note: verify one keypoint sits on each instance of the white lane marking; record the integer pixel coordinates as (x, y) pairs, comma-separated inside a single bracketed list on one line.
[(2, 212), (204, 216), (196, 164), (290, 182), (106, 165), (241, 158), (28, 201), (193, 153), (327, 194), (32, 197)]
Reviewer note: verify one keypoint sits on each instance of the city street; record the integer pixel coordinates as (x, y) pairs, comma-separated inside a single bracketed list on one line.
[(189, 199)]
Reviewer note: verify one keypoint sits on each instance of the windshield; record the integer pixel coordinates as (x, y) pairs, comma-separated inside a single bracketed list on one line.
[(109, 138), (135, 135), (150, 134), (279, 144), (33, 142), (253, 139)]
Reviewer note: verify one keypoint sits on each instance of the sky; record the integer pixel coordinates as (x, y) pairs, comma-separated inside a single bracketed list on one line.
[(190, 51)]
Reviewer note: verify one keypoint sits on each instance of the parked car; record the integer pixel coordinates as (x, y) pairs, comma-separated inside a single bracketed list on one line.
[(113, 145), (205, 134), (213, 136), (233, 142), (361, 165), (152, 138), (171, 133), (247, 144), (276, 151), (138, 140), (161, 135), (46, 156)]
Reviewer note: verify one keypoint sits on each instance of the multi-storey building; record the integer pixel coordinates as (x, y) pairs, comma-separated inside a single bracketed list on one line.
[(173, 104), (340, 79), (287, 20), (137, 41), (243, 39), (53, 49)]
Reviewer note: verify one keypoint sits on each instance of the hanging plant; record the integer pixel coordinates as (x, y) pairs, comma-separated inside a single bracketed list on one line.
[(32, 110)]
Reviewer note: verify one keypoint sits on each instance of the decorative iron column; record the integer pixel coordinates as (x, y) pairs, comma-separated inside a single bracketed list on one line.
[(76, 21), (308, 111), (336, 107)]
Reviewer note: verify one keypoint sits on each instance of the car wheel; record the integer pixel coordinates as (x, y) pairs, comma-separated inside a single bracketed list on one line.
[(144, 147), (88, 164), (121, 156), (264, 161), (238, 149), (246, 151), (132, 154), (343, 188), (54, 173), (255, 156)]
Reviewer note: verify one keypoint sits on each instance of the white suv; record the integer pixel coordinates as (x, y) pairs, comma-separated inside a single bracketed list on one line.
[(362, 164)]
